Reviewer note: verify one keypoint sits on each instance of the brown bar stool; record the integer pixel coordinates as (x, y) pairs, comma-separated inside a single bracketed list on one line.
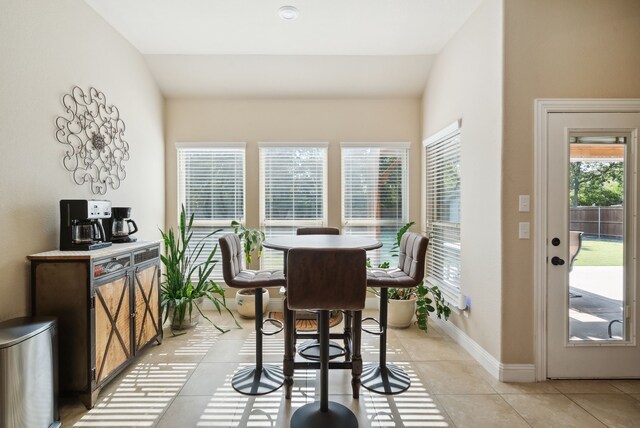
[(322, 279), (261, 378), (386, 378), (310, 349)]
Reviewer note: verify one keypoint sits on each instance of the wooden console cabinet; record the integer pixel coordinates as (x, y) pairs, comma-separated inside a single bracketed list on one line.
[(108, 306)]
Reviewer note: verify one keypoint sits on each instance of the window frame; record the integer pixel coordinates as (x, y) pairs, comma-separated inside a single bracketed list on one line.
[(264, 224), (375, 222), (452, 294), (181, 190)]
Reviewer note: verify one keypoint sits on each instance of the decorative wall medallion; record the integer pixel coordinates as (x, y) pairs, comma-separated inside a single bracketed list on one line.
[(94, 135)]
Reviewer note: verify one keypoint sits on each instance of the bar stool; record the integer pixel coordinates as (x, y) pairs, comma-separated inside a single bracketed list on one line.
[(261, 378), (310, 349), (381, 377), (322, 279)]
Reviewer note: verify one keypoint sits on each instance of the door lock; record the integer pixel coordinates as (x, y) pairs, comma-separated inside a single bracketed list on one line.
[(557, 261)]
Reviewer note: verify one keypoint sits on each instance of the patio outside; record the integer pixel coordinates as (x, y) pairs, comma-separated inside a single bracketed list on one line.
[(596, 291)]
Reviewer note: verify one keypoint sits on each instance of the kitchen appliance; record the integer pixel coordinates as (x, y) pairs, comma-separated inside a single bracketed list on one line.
[(120, 227), (81, 226)]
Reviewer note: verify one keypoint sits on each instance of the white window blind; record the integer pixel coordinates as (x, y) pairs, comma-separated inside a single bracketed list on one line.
[(293, 192), (211, 185), (374, 194), (442, 208)]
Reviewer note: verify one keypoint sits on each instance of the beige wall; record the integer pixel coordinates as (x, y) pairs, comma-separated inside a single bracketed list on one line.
[(466, 82), (46, 48), (331, 120), (553, 49)]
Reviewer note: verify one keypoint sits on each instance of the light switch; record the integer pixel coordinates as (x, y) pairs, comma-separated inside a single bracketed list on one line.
[(523, 230), (523, 204)]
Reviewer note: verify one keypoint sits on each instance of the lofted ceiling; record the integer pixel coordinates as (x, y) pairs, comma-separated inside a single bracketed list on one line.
[(242, 48)]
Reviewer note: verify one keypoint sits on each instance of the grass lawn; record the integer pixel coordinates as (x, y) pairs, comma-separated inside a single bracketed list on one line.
[(595, 252)]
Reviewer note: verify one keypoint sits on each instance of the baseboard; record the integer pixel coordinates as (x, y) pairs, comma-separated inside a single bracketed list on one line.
[(500, 371)]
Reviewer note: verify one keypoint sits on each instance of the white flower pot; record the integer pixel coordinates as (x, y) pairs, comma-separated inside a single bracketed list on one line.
[(401, 312), (246, 302)]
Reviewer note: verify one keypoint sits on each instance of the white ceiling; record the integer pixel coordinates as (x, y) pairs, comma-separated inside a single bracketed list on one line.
[(242, 48)]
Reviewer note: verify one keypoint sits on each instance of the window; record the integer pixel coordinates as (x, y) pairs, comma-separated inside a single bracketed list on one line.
[(374, 193), (293, 191), (442, 208), (211, 186)]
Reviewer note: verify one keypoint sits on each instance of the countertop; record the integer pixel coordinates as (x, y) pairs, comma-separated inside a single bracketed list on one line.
[(94, 254)]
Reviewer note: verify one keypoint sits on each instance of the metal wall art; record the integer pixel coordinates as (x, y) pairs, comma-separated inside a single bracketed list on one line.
[(94, 134)]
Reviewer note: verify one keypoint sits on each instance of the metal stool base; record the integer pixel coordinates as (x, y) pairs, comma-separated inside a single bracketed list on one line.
[(388, 379), (251, 381), (310, 350), (310, 416)]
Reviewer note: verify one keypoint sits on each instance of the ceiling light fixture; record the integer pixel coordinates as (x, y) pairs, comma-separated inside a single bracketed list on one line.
[(288, 13)]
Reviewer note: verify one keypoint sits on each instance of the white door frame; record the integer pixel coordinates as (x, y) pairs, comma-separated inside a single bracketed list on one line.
[(542, 107)]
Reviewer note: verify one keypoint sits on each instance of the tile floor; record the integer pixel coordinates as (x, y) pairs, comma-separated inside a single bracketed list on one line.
[(185, 382)]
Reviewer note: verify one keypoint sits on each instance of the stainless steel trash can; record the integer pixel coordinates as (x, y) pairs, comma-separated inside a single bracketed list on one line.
[(28, 373)]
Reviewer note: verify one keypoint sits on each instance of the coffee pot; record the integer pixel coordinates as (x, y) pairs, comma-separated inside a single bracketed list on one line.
[(81, 226), (122, 227), (86, 232)]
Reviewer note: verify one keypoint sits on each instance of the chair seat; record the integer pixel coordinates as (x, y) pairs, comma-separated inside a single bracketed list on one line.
[(258, 279), (395, 278)]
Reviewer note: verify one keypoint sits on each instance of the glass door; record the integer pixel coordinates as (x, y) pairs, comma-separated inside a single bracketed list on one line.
[(591, 241)]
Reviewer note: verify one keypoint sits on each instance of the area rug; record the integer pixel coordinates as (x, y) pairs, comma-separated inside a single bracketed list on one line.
[(308, 324)]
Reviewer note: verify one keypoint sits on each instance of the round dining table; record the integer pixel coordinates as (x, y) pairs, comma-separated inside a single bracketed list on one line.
[(353, 324), (285, 243)]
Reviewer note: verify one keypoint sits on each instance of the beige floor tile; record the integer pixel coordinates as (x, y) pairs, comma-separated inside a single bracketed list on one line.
[(413, 332), (454, 377), (629, 386), (551, 410), (414, 407), (480, 411), (244, 351), (433, 349), (190, 411), (614, 410), (371, 349), (208, 377), (585, 387), (523, 388), (636, 396)]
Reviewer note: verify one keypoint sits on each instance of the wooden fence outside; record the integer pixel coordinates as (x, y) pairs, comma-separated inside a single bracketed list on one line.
[(606, 222)]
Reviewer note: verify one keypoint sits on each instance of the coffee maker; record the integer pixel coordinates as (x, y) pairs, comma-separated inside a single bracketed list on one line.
[(120, 227), (81, 226)]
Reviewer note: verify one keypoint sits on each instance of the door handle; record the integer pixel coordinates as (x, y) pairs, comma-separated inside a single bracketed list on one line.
[(557, 261)]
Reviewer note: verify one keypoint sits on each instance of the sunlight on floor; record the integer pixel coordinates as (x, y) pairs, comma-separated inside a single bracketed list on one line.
[(412, 408), (141, 396)]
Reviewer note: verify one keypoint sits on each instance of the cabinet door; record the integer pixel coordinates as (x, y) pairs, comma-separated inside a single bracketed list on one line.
[(112, 326), (147, 318)]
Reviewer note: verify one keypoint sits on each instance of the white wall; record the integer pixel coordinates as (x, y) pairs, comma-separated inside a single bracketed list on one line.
[(46, 48), (466, 82), (553, 49)]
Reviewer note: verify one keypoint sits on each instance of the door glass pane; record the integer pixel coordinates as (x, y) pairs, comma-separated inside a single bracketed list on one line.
[(596, 239)]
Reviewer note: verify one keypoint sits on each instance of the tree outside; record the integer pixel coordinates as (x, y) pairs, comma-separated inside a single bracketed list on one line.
[(596, 183)]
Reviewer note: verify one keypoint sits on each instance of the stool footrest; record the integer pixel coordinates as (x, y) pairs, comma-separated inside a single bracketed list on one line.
[(311, 350), (274, 321), (375, 333)]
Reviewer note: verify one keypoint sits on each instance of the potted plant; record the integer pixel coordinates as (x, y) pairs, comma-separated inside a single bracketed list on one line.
[(252, 240), (186, 281), (405, 302)]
